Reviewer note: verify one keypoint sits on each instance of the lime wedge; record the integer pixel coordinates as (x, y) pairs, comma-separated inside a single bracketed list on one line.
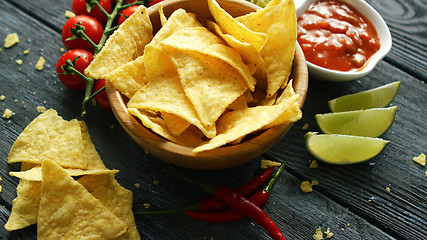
[(367, 123), (343, 149), (374, 98)]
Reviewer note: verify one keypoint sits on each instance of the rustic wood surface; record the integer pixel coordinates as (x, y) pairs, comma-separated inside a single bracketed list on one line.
[(350, 200)]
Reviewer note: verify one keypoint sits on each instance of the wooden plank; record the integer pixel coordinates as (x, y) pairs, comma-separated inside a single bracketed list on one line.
[(406, 20), (297, 213), (362, 187)]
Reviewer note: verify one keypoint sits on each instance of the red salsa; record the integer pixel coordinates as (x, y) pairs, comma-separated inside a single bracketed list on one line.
[(334, 35)]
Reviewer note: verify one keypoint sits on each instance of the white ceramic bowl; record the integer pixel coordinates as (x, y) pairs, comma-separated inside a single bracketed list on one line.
[(383, 34)]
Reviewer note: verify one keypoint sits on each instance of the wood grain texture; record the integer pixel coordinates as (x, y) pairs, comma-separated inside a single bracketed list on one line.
[(407, 21), (349, 197), (362, 187)]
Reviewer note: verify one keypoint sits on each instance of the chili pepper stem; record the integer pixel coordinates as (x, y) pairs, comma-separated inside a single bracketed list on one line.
[(271, 182)]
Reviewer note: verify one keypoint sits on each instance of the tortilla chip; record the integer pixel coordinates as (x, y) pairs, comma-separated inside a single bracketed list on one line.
[(68, 211), (124, 45), (25, 206), (164, 92), (201, 40), (116, 198), (236, 124), (178, 20), (277, 18), (130, 77), (238, 104), (157, 125), (246, 50), (174, 124), (210, 84), (236, 29), (50, 137), (163, 19)]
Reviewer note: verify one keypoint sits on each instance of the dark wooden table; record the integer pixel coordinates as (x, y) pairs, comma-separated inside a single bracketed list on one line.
[(350, 200)]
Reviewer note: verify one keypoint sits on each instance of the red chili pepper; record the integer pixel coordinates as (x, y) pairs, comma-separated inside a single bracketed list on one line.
[(230, 215), (249, 209), (211, 203)]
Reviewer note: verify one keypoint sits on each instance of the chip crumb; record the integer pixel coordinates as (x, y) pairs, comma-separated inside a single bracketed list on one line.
[(2, 97), (40, 63), (348, 224), (10, 40), (155, 182), (267, 164), (328, 233), (146, 205), (421, 159), (69, 14), (112, 126), (19, 62), (137, 185), (7, 113), (26, 51), (314, 183), (306, 186), (318, 235), (388, 189), (369, 200), (314, 164), (342, 229), (305, 126), (426, 173), (41, 109), (62, 49)]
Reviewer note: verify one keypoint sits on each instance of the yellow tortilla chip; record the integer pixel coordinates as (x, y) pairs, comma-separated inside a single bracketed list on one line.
[(157, 125), (35, 174), (236, 124), (25, 206), (50, 137), (124, 45), (201, 40), (178, 20), (247, 51), (130, 77), (278, 21), (116, 198), (210, 84), (164, 93), (236, 29), (174, 124), (68, 211), (163, 18), (238, 104), (95, 165)]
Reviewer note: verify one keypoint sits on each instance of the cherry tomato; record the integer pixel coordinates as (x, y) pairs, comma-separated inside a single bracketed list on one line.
[(93, 30), (74, 81), (79, 8), (127, 12), (154, 2), (101, 98)]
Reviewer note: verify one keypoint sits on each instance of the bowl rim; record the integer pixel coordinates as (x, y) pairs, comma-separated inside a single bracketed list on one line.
[(384, 36), (223, 157)]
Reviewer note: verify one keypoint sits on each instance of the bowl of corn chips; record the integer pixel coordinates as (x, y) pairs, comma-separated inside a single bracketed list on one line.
[(205, 84)]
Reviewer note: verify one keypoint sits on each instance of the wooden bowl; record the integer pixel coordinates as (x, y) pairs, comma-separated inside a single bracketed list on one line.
[(222, 157)]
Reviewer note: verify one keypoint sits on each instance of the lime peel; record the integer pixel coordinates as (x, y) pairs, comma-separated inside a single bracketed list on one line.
[(374, 98), (367, 123), (343, 149)]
